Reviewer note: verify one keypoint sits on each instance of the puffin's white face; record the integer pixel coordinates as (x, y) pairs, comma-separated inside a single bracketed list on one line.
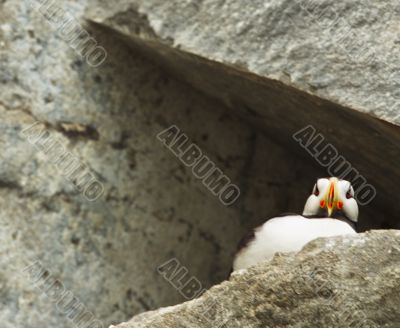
[(331, 197)]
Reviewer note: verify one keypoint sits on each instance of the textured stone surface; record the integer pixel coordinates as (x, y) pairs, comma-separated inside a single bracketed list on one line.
[(282, 69), (350, 281), (106, 252), (344, 51)]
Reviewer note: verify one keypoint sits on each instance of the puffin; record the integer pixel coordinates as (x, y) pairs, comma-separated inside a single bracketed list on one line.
[(330, 210)]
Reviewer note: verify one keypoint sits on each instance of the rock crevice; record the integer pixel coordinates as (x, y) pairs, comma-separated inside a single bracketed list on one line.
[(281, 75)]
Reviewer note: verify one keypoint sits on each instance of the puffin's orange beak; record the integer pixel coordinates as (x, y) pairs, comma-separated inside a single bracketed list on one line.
[(331, 201)]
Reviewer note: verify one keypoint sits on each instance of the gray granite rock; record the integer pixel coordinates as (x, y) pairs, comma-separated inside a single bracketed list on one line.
[(106, 252), (349, 281), (284, 65), (181, 63), (345, 51)]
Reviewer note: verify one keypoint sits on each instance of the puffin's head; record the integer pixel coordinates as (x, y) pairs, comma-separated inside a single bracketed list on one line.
[(332, 197)]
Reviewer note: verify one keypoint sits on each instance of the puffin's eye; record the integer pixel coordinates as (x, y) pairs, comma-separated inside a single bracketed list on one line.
[(350, 193)]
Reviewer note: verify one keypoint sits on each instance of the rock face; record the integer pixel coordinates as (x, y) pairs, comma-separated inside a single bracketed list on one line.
[(283, 65), (238, 92), (345, 52), (152, 207), (351, 281)]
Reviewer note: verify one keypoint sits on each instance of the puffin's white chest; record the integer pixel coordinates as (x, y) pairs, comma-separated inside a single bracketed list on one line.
[(287, 234)]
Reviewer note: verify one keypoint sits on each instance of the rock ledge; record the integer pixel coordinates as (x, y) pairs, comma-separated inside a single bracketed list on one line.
[(335, 282)]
